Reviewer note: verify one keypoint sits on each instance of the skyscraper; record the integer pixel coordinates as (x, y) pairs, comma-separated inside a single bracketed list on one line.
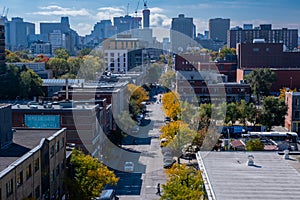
[(146, 18), (289, 37), (218, 28), (2, 44), (17, 33), (183, 31), (69, 37), (127, 23)]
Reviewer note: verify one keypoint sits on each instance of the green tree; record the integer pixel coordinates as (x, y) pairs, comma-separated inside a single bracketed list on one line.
[(168, 79), (243, 110), (254, 145), (183, 183), (205, 115), (226, 51), (91, 67), (85, 51), (154, 72), (23, 83), (273, 112), (61, 53), (261, 81), (11, 79), (74, 64), (90, 177), (253, 114), (59, 66), (231, 113)]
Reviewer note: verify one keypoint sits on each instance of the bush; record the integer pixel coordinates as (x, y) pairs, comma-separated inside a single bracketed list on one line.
[(254, 145)]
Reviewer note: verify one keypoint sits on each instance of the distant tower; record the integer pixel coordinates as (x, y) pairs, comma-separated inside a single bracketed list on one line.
[(146, 16)]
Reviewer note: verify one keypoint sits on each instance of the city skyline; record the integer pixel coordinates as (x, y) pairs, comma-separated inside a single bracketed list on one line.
[(83, 15)]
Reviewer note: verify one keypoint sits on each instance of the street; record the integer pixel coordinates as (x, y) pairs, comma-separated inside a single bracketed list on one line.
[(149, 171)]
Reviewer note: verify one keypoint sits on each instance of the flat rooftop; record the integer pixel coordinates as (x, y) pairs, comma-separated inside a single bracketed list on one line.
[(53, 107), (23, 141), (229, 177)]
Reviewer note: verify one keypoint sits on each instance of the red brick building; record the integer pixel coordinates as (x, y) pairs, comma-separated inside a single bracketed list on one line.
[(292, 119), (266, 55), (84, 122), (286, 77), (201, 62)]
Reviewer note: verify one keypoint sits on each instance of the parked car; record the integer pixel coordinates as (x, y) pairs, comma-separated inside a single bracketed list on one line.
[(108, 194), (163, 141), (135, 129), (168, 162), (128, 166), (167, 119)]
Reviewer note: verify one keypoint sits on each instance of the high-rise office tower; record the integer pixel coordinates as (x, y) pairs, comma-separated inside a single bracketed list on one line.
[(146, 18), (218, 28), (183, 31), (127, 23), (17, 33), (2, 45)]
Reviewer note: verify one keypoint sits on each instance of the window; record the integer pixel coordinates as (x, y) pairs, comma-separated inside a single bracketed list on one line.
[(28, 172), (57, 147), (9, 188), (62, 144), (297, 102), (297, 114), (20, 179), (256, 49), (57, 170), (52, 151), (36, 164), (37, 192), (52, 175)]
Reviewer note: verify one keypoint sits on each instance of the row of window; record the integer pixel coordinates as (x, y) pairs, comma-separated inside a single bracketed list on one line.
[(28, 172), (55, 172), (59, 145), (9, 190)]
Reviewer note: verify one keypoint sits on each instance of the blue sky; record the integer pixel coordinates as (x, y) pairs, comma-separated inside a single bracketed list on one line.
[(83, 14)]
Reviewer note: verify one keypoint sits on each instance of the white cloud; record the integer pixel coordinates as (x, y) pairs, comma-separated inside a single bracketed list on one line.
[(83, 28), (108, 13), (57, 10)]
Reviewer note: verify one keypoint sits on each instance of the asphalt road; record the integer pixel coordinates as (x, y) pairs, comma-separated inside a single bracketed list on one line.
[(148, 159)]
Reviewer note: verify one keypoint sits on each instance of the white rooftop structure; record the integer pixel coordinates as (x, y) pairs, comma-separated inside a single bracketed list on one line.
[(227, 176)]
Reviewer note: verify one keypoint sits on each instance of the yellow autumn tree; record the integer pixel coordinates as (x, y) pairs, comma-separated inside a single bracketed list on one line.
[(169, 131), (136, 95), (183, 183), (284, 90), (89, 177), (171, 104)]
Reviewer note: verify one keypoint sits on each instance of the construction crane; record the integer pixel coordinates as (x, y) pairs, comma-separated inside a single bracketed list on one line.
[(4, 12), (137, 7), (128, 9), (145, 4)]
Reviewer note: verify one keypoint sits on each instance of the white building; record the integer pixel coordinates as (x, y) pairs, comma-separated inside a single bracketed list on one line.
[(116, 60)]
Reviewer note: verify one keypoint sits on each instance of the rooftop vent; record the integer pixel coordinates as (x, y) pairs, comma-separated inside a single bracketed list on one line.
[(250, 161), (258, 40), (286, 154)]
